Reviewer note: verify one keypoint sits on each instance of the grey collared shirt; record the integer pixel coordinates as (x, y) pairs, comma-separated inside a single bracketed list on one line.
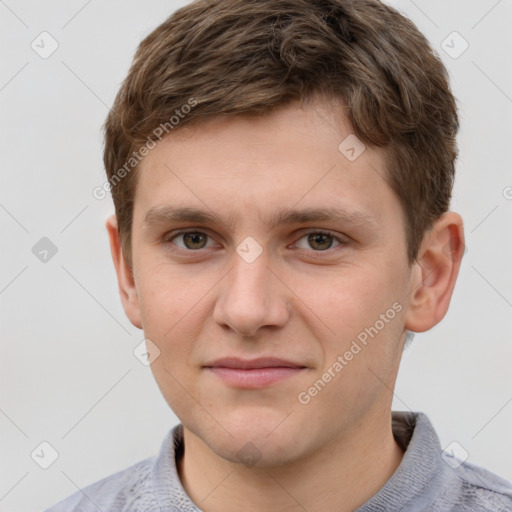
[(426, 480)]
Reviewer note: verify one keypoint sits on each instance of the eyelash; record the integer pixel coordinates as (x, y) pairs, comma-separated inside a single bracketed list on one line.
[(341, 241)]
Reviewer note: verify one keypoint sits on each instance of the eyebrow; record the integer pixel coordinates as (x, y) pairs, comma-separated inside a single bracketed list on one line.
[(159, 215)]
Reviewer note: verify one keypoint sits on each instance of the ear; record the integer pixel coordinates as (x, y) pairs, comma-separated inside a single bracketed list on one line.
[(435, 272), (125, 279)]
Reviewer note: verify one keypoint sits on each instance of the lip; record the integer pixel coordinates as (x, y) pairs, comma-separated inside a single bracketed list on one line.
[(253, 373)]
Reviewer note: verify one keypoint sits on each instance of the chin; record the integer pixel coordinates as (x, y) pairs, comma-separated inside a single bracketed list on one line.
[(258, 454), (255, 438)]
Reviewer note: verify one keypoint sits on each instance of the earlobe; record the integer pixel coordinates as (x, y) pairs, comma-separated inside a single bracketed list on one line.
[(125, 278), (435, 273)]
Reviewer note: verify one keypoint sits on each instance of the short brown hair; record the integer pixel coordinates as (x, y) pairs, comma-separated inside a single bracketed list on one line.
[(244, 57)]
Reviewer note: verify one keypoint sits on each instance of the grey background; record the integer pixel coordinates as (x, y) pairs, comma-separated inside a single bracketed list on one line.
[(67, 372)]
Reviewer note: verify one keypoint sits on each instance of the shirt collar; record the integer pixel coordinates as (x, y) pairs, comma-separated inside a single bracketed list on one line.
[(420, 472)]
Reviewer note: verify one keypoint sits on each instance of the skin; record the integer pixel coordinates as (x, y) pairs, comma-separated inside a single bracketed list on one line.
[(262, 449)]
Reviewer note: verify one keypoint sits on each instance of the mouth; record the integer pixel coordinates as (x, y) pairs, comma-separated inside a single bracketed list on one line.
[(253, 373)]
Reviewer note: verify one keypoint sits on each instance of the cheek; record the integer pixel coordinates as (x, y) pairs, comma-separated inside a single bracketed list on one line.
[(167, 293), (170, 306), (348, 299), (359, 317), (172, 318)]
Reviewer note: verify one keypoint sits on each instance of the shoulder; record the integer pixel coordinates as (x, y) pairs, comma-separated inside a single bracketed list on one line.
[(430, 478), (480, 490), (127, 490)]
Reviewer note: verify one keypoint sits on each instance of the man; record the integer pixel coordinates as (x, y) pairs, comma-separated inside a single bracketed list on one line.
[(281, 173)]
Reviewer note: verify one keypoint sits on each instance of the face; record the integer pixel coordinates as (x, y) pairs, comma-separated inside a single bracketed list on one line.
[(271, 272)]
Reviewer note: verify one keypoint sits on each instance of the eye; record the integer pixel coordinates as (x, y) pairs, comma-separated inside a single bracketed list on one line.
[(319, 241), (190, 240)]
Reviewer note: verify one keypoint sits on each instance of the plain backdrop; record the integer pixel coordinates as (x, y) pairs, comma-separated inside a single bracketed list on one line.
[(68, 376)]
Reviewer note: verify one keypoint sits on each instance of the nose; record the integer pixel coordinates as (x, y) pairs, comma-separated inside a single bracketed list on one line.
[(251, 297)]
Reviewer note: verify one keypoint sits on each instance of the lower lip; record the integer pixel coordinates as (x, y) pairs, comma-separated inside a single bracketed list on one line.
[(254, 378)]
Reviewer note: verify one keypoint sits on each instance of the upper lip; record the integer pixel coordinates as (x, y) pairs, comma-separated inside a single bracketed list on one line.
[(248, 364)]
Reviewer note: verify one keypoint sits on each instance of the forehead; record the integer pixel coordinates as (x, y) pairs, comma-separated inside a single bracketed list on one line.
[(263, 167)]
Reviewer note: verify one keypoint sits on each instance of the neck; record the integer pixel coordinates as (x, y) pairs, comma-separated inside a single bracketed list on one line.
[(349, 470)]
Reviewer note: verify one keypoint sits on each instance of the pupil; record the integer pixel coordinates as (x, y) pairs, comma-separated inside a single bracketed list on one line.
[(316, 239), (194, 239)]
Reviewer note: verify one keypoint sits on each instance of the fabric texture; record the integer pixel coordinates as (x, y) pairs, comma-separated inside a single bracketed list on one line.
[(426, 480)]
